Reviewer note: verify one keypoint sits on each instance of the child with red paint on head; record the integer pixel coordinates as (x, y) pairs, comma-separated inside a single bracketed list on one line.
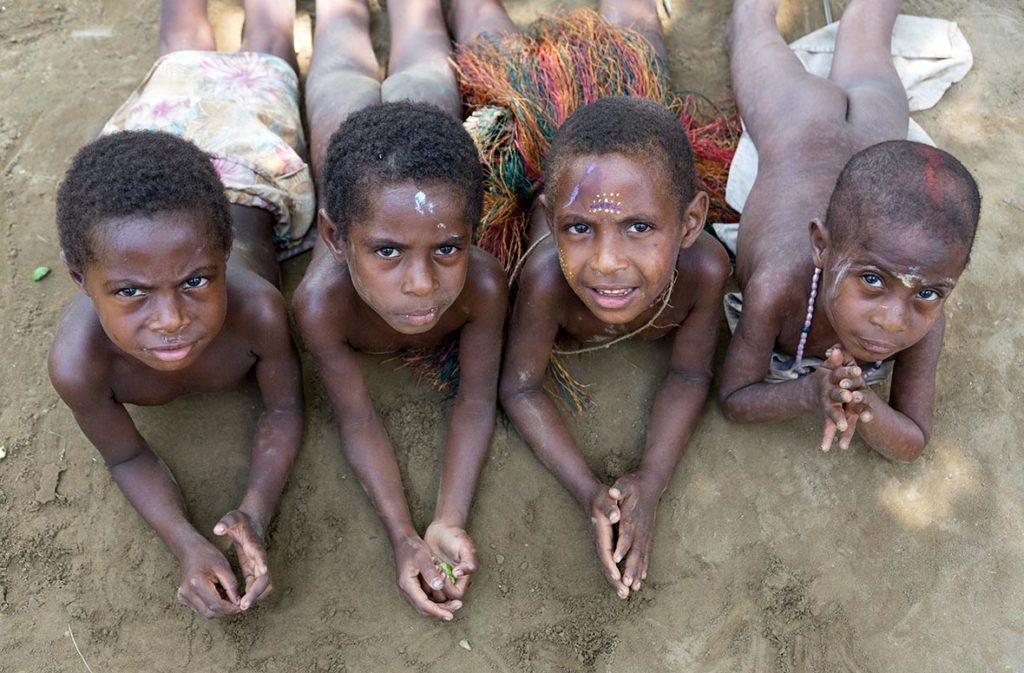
[(395, 270), (615, 246), (851, 239), (173, 248)]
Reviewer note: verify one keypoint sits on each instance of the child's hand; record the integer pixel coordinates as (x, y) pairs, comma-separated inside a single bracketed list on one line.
[(839, 390), (638, 505), (203, 570), (421, 581), (453, 546), (252, 555), (604, 513)]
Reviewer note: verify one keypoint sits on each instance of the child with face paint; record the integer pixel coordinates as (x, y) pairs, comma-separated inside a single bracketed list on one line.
[(891, 228), (177, 272), (616, 250), (394, 269)]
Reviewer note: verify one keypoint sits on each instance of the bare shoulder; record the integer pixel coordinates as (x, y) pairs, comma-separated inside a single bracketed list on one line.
[(706, 261), (255, 301), (323, 301), (541, 281), (81, 356), (486, 277), (322, 291)]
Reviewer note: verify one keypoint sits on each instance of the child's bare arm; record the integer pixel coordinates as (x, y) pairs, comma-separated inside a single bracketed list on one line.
[(472, 423), (677, 409), (371, 456), (530, 342), (744, 395), (275, 445), (146, 482)]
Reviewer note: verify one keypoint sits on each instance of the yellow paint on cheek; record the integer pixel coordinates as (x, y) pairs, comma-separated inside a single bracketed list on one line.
[(561, 263)]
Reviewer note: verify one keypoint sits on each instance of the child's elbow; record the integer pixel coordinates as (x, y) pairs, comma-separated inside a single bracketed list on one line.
[(908, 453), (733, 411)]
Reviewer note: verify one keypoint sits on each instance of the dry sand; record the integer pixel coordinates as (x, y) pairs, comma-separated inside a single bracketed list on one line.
[(769, 555)]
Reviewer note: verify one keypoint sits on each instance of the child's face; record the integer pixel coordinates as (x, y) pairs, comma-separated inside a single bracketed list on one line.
[(408, 259), (619, 231), (158, 287), (882, 295)]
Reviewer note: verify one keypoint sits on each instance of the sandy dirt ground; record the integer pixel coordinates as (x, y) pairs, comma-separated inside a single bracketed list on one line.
[(769, 555)]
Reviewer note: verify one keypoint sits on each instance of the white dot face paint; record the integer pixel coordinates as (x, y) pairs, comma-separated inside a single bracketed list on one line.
[(442, 225)]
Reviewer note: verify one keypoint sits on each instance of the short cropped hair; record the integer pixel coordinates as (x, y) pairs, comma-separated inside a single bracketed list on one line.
[(904, 184), (395, 142), (137, 173), (628, 125)]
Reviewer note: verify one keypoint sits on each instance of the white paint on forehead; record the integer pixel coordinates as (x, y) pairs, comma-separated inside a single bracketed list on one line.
[(420, 200), (911, 278), (442, 225)]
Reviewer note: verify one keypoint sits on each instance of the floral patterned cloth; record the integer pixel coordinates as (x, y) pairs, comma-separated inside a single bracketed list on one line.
[(242, 108)]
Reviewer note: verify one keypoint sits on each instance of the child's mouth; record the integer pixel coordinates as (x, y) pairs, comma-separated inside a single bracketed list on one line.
[(424, 317), (877, 347), (173, 353), (612, 297)]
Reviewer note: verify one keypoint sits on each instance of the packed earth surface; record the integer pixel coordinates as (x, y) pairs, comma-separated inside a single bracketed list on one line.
[(769, 555)]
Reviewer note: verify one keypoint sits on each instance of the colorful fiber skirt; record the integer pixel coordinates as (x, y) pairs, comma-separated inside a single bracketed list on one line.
[(521, 87)]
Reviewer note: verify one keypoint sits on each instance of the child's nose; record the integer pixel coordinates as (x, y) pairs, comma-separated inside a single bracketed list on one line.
[(168, 316), (608, 261), (889, 317), (418, 279)]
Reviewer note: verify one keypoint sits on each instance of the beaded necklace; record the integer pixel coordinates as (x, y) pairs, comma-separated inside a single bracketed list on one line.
[(806, 329)]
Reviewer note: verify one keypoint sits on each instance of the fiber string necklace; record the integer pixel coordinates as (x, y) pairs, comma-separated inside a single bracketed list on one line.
[(806, 329)]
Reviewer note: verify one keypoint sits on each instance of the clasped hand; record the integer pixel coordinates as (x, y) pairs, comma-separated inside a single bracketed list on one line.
[(622, 518), (841, 392), (208, 583)]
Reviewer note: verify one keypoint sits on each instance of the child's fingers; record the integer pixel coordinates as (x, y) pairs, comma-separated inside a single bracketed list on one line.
[(636, 567), (228, 582), (625, 541), (256, 589), (603, 538), (847, 436), (828, 435), (840, 396), (430, 573), (420, 602), (209, 597)]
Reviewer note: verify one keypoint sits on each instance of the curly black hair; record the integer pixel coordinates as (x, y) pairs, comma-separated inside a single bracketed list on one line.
[(906, 185), (629, 125), (137, 173), (394, 142)]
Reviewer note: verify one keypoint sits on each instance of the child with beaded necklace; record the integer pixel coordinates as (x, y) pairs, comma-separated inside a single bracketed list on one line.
[(891, 228)]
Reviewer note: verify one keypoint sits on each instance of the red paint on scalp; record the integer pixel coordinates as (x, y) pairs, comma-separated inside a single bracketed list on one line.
[(932, 174)]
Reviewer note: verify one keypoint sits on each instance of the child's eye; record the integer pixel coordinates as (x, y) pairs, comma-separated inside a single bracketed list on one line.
[(197, 282), (928, 294), (447, 250), (128, 292), (578, 228), (387, 253), (639, 227), (872, 279)]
